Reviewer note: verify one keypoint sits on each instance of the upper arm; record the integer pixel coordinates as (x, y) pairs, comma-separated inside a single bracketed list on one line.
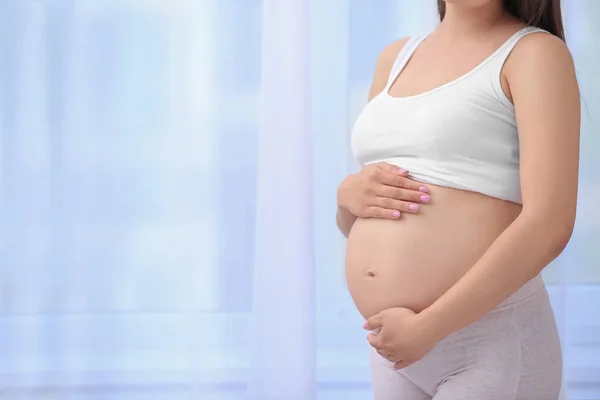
[(385, 61), (546, 96)]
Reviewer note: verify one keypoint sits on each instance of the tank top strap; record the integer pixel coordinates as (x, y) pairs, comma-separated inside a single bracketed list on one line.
[(403, 56), (510, 44), (497, 61), (514, 39)]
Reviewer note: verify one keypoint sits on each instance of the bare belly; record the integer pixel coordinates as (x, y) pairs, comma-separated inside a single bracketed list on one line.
[(411, 262)]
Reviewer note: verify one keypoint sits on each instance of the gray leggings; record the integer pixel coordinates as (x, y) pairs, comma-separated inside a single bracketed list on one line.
[(512, 353)]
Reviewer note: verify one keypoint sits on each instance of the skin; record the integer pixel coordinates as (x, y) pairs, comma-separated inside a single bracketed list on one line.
[(380, 180), (539, 78), (378, 191)]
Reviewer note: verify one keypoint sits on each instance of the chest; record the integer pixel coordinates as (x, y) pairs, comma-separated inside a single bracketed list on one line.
[(449, 125), (434, 65)]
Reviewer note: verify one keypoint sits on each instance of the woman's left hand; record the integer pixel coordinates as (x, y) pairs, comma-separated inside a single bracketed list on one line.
[(402, 336)]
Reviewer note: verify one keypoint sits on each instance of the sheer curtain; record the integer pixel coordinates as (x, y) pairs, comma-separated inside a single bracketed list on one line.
[(167, 197)]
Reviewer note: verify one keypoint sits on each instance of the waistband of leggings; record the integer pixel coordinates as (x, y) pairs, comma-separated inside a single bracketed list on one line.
[(528, 289)]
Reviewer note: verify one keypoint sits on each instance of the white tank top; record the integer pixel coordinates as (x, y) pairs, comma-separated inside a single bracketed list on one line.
[(462, 134)]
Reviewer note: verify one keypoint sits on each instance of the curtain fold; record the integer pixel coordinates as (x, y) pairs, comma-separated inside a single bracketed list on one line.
[(283, 308)]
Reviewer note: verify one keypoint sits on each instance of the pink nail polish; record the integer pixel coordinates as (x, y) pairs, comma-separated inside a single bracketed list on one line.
[(425, 198), (396, 214), (413, 207), (402, 171), (423, 189), (365, 325)]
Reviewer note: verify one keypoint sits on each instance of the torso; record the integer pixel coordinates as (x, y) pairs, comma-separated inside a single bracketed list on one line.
[(411, 262)]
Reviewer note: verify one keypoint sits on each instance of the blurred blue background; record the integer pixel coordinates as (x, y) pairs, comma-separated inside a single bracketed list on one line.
[(130, 133)]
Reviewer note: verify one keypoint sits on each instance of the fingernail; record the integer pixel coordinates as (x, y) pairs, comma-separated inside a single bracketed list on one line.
[(402, 171), (425, 198), (365, 325), (396, 214), (423, 189), (413, 207)]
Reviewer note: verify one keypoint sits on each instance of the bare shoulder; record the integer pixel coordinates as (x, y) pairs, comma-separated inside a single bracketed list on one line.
[(390, 53), (541, 53), (385, 61)]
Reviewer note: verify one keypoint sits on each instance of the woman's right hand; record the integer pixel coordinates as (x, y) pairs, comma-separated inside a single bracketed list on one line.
[(381, 191)]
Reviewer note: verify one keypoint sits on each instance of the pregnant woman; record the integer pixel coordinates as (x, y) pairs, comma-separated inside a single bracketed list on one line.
[(469, 146)]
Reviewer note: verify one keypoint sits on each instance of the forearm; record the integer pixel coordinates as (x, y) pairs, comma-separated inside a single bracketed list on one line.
[(345, 220), (544, 89), (528, 245)]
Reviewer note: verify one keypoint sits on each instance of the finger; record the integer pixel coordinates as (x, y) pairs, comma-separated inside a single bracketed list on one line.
[(379, 212), (402, 194), (393, 204), (373, 341), (392, 169), (374, 322), (390, 177), (401, 364), (404, 182), (385, 355)]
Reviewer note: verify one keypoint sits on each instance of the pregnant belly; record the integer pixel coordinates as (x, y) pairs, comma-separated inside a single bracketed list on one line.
[(411, 262)]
